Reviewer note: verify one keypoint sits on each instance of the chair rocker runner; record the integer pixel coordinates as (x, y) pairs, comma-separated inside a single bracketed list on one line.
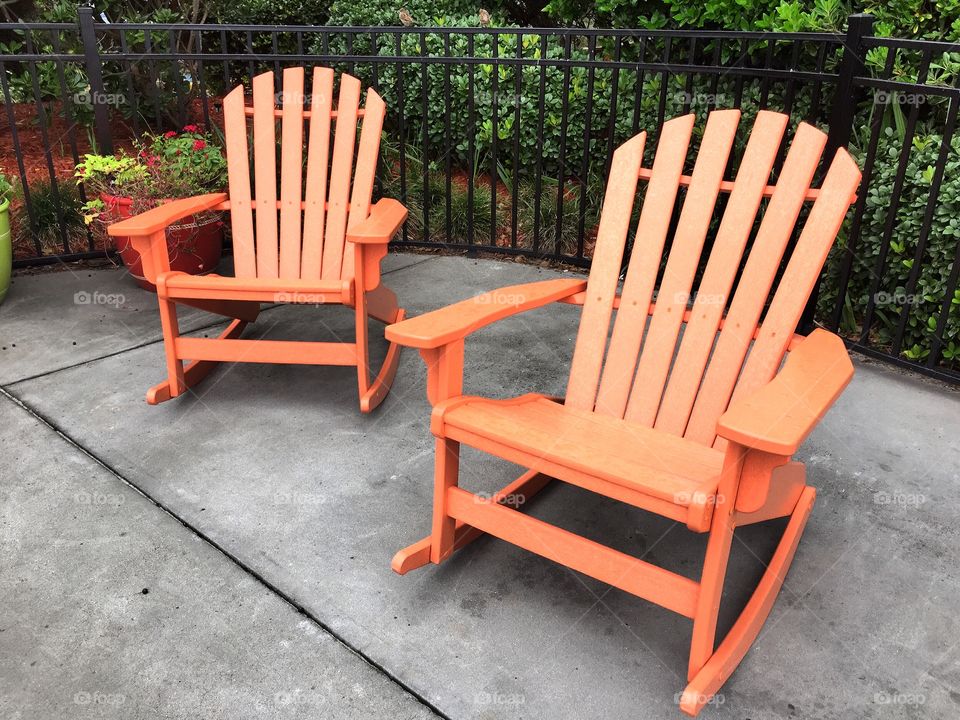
[(698, 426), (326, 247)]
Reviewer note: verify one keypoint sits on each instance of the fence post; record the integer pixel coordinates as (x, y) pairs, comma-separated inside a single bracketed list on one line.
[(842, 113), (98, 95), (852, 64)]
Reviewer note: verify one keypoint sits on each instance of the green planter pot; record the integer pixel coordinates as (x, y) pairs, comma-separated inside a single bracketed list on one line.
[(6, 251)]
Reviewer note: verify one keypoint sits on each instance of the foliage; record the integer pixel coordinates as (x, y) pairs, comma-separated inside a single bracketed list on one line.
[(537, 227), (6, 187), (276, 12), (183, 164), (890, 289), (57, 211), (939, 19), (387, 12)]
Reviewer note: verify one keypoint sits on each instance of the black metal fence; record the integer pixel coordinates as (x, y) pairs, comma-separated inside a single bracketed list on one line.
[(500, 139)]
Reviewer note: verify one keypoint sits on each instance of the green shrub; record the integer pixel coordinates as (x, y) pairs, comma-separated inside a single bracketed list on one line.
[(544, 222), (924, 302), (52, 211), (936, 19), (6, 187)]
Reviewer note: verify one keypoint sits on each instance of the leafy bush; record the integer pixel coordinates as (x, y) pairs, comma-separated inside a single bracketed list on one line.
[(538, 227), (6, 187), (939, 19), (57, 211), (387, 12), (922, 303)]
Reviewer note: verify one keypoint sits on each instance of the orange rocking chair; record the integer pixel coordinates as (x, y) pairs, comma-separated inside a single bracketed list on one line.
[(326, 249), (685, 411)]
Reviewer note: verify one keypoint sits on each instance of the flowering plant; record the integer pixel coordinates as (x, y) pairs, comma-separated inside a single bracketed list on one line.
[(165, 167), (183, 164)]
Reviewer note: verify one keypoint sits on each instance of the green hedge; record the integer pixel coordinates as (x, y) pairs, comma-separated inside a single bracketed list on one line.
[(925, 302)]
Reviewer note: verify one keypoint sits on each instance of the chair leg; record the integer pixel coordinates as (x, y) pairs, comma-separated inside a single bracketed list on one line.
[(514, 494), (171, 331), (195, 371), (373, 392), (721, 663), (446, 473), (711, 586)]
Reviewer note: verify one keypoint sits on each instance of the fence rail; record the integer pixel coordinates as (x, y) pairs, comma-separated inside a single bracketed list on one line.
[(500, 138)]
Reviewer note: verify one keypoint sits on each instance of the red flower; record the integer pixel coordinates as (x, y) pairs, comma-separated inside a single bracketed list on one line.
[(191, 128), (199, 144), (170, 134)]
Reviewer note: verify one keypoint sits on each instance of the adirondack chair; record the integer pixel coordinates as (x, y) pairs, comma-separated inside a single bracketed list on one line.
[(330, 239), (699, 426)]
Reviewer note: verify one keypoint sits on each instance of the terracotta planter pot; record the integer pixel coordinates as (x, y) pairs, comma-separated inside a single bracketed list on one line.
[(195, 247)]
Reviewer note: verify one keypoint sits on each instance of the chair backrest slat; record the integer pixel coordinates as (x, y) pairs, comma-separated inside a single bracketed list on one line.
[(753, 289), (678, 276), (604, 275), (265, 175), (652, 227), (238, 178), (801, 273), (367, 153), (654, 371), (337, 203), (291, 172), (721, 271), (318, 156)]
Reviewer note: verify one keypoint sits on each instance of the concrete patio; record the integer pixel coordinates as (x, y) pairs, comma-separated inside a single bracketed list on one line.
[(227, 554)]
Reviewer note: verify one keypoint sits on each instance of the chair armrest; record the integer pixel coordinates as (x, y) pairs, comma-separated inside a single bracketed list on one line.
[(455, 322), (162, 216), (777, 417), (381, 225)]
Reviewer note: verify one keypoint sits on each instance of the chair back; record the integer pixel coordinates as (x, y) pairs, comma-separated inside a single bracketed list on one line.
[(300, 231), (725, 311)]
